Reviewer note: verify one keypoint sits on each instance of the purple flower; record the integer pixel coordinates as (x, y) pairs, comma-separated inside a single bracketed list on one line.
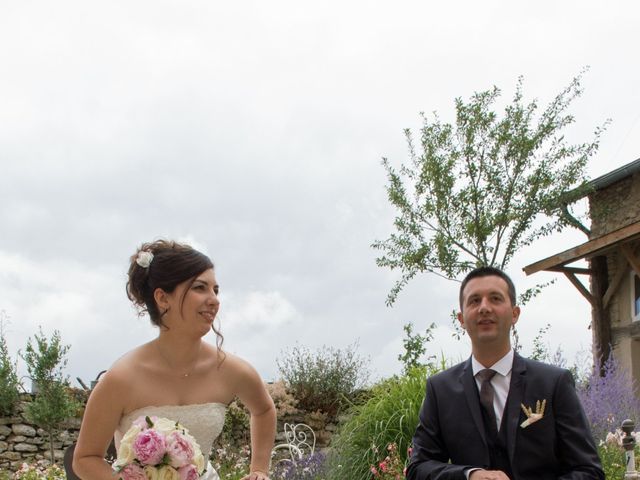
[(308, 467), (609, 400)]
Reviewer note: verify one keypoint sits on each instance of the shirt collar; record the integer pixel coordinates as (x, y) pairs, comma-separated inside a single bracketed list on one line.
[(502, 366)]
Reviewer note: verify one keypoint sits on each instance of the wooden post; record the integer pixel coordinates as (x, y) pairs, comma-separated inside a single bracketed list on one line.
[(600, 318)]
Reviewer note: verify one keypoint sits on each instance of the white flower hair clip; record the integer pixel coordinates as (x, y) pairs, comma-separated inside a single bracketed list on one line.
[(144, 258)]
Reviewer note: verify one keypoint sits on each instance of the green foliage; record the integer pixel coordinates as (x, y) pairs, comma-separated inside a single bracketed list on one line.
[(53, 403), (485, 187), (415, 346), (389, 417), (9, 382), (540, 350), (235, 431), (231, 463), (37, 471), (323, 379), (614, 461)]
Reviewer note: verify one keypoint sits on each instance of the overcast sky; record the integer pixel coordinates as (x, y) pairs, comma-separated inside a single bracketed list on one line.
[(255, 131)]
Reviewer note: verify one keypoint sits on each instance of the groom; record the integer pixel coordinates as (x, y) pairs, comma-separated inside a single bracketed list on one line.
[(498, 415)]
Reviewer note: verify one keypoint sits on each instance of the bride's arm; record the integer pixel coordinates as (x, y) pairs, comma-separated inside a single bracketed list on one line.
[(252, 393), (101, 417)]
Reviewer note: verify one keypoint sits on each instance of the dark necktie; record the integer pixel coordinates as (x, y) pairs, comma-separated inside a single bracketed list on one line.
[(486, 399)]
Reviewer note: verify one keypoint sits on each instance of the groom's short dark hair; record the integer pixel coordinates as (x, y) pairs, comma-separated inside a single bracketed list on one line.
[(489, 272)]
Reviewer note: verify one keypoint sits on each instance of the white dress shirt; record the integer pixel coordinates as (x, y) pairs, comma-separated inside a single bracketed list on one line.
[(500, 382)]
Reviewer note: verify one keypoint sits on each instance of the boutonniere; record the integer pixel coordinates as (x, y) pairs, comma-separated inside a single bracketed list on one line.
[(533, 416)]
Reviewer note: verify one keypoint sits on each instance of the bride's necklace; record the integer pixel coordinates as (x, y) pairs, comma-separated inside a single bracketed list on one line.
[(171, 367)]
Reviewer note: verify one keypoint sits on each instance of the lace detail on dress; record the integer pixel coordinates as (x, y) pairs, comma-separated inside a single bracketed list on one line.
[(204, 421)]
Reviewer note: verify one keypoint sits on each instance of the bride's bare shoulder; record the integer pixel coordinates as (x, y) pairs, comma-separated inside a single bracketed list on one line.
[(129, 366)]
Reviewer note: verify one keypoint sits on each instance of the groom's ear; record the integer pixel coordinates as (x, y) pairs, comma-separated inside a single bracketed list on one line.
[(461, 319), (516, 315)]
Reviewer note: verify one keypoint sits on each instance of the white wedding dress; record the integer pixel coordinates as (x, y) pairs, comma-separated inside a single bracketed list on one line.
[(204, 422)]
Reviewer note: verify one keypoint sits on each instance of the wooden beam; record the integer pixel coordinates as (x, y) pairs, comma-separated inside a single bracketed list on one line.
[(621, 272), (581, 288), (587, 249), (575, 270), (634, 261)]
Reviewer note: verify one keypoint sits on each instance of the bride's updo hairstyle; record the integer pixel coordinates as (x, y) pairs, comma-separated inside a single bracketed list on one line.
[(162, 264)]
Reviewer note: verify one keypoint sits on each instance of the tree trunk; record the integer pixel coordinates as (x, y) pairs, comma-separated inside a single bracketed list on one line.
[(53, 458)]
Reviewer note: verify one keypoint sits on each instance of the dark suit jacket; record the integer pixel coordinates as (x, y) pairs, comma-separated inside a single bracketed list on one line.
[(559, 446)]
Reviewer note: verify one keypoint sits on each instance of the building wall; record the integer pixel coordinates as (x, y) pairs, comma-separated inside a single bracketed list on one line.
[(612, 208), (616, 206)]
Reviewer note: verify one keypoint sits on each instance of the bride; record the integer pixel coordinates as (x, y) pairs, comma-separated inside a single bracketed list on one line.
[(178, 375)]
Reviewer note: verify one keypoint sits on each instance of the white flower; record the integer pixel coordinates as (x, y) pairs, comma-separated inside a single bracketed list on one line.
[(151, 472), (125, 451), (613, 439), (168, 473), (144, 258), (164, 426), (198, 461)]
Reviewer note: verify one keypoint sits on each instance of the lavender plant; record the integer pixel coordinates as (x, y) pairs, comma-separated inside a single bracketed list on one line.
[(610, 399), (309, 467)]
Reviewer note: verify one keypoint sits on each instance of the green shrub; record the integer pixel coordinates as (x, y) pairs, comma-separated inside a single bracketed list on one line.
[(323, 379), (389, 417), (39, 471), (235, 431), (54, 402), (613, 460), (231, 462), (9, 383)]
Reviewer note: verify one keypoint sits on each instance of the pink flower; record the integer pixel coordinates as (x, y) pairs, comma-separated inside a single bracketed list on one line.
[(188, 472), (383, 466), (373, 470), (179, 449), (149, 447), (133, 472)]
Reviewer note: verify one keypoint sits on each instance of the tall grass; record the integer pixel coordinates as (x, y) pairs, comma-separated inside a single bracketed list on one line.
[(389, 416)]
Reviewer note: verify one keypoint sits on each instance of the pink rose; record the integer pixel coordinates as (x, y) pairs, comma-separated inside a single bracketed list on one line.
[(149, 447), (180, 450), (188, 472), (133, 472)]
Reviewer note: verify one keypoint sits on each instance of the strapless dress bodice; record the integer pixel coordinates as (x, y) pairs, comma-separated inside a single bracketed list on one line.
[(204, 422)]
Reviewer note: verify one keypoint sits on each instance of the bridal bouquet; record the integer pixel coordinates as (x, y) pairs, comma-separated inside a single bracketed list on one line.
[(158, 449)]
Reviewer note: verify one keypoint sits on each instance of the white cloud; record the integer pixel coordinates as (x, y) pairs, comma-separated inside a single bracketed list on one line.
[(257, 310)]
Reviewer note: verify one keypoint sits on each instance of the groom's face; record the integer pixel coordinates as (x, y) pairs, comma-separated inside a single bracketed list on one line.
[(487, 313)]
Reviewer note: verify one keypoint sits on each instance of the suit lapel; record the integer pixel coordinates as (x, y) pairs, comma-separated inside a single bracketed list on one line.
[(514, 399), (473, 401)]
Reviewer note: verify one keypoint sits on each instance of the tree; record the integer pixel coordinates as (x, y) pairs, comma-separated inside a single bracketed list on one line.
[(53, 403), (482, 189), (415, 345), (9, 382)]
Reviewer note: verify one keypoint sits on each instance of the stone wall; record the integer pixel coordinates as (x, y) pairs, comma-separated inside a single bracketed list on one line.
[(615, 206), (21, 441)]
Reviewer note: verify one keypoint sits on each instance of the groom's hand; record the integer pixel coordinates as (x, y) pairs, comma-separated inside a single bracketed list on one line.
[(488, 475)]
